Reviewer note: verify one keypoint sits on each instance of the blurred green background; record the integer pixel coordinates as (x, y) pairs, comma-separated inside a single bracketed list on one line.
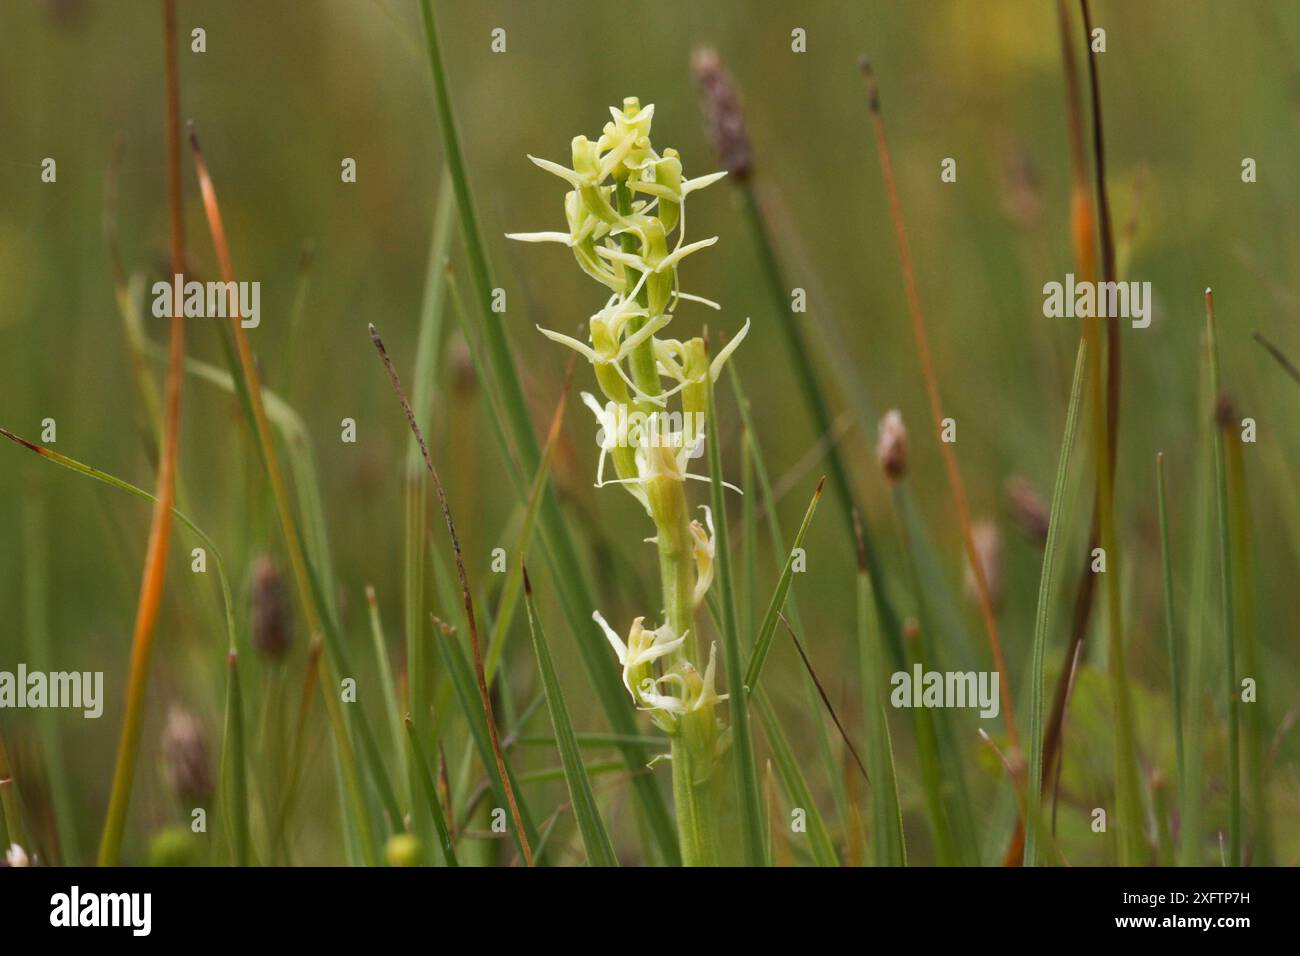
[(285, 91)]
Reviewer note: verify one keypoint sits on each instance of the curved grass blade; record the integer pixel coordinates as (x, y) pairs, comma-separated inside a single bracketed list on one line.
[(233, 745)]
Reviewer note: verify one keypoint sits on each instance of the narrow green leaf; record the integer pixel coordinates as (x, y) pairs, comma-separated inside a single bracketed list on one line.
[(1171, 641), (420, 771), (415, 484), (36, 597), (1033, 787), (766, 631), (600, 850), (794, 784), (742, 744), (792, 779), (234, 769), (459, 669), (886, 814), (392, 714), (510, 590), (1226, 593)]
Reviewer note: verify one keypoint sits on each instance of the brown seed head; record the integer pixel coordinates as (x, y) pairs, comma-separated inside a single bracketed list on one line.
[(185, 754), (721, 104), (272, 623), (1022, 197), (1028, 509), (463, 376), (1225, 411), (891, 446), (988, 547)]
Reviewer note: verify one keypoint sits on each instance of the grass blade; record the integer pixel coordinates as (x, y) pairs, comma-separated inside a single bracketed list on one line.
[(886, 813), (234, 768), (793, 781), (1034, 789), (742, 744), (415, 498), (1259, 849), (392, 713), (510, 590), (1171, 640), (420, 771), (1226, 595), (1191, 798), (600, 850), (36, 594), (461, 674), (766, 631)]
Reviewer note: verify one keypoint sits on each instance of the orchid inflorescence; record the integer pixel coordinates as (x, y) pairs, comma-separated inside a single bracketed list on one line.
[(626, 215)]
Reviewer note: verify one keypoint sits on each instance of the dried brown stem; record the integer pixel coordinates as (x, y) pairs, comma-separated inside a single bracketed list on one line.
[(484, 696)]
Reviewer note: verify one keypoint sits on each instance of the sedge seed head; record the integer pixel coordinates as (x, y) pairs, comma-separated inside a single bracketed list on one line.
[(185, 755), (891, 446), (726, 120), (1028, 508), (271, 617)]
